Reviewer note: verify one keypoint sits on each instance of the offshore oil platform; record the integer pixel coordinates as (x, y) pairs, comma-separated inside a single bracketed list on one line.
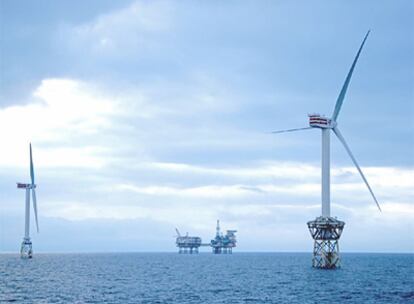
[(221, 244), (187, 244)]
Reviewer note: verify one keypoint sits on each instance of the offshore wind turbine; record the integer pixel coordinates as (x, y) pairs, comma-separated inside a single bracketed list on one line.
[(26, 250), (326, 230)]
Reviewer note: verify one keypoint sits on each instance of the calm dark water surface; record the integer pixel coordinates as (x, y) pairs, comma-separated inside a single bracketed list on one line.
[(205, 278)]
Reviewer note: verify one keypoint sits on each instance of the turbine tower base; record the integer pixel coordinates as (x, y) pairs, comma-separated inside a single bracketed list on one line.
[(26, 251), (326, 232)]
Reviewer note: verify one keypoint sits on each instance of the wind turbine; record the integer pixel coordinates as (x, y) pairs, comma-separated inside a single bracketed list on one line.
[(26, 248), (326, 230)]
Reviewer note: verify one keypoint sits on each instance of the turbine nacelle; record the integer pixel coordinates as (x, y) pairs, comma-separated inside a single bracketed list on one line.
[(320, 121), (25, 186)]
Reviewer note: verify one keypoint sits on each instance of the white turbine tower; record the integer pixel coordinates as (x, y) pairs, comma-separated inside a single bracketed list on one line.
[(26, 248), (325, 229)]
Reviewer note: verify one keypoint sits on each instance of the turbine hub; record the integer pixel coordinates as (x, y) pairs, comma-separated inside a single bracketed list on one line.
[(320, 121)]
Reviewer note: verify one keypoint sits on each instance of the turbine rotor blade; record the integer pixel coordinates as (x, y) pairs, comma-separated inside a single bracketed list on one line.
[(35, 208), (291, 130), (341, 96), (31, 166), (342, 140)]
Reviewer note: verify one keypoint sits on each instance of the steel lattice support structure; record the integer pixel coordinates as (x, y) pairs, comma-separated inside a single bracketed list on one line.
[(26, 250), (326, 232)]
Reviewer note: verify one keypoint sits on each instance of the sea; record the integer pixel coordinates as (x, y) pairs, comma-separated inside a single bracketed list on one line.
[(205, 278)]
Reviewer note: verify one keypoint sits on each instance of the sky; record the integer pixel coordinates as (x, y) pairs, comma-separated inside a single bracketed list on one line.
[(150, 115)]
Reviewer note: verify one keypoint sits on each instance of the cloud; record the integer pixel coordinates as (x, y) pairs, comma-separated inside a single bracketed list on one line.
[(120, 32), (272, 169), (166, 190), (78, 123), (59, 113), (74, 123), (211, 191)]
